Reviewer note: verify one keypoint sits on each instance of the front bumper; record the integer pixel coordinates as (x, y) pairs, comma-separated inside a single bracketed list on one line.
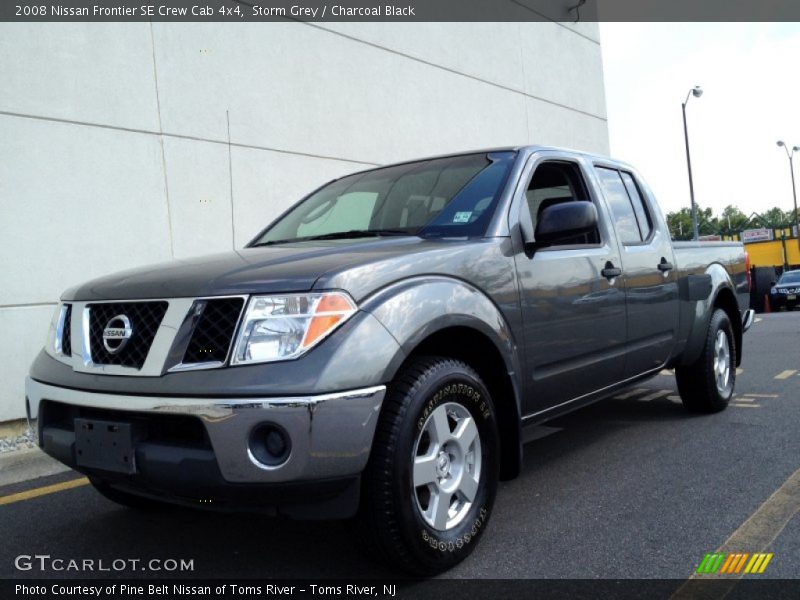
[(331, 434)]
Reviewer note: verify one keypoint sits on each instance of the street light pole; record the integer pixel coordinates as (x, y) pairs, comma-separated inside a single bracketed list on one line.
[(790, 155), (696, 91)]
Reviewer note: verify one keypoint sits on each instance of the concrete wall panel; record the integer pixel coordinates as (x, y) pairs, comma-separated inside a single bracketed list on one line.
[(352, 101), (487, 51), (24, 332), (199, 196), (80, 72), (563, 67), (554, 126), (76, 202)]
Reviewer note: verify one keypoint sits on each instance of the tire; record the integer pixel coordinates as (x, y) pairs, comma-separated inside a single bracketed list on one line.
[(706, 386), (431, 400), (125, 498)]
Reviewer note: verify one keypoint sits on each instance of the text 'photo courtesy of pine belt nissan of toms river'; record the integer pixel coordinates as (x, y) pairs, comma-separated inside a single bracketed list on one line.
[(382, 350)]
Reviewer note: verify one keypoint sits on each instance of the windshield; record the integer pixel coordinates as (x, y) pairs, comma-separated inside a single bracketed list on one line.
[(790, 277), (442, 197)]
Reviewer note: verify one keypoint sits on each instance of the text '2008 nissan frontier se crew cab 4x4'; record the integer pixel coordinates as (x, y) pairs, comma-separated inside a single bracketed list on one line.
[(381, 349)]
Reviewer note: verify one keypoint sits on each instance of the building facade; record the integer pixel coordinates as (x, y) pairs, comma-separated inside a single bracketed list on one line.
[(128, 144)]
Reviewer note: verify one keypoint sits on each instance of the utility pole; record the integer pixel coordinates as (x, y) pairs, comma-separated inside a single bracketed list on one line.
[(696, 91), (790, 155)]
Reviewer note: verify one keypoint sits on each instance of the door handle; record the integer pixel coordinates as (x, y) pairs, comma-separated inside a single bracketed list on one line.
[(610, 271), (665, 266)]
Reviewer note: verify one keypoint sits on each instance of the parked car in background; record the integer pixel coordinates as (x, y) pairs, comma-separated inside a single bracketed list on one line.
[(786, 291)]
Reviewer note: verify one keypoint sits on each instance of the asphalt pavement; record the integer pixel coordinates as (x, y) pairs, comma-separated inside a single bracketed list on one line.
[(631, 487)]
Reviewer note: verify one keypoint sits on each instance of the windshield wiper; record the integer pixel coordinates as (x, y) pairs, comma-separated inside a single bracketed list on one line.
[(357, 233), (340, 235)]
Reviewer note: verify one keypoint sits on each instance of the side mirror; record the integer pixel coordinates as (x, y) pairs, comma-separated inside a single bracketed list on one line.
[(565, 220)]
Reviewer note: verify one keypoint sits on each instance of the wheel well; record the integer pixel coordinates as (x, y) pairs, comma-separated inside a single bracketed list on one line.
[(727, 302), (479, 352)]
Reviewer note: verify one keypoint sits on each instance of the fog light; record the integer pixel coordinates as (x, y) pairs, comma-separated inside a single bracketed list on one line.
[(270, 445)]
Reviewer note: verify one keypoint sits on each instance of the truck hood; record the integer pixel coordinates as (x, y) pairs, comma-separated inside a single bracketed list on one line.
[(270, 269)]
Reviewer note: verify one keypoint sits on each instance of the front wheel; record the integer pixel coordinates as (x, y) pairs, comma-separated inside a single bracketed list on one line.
[(706, 386), (430, 483)]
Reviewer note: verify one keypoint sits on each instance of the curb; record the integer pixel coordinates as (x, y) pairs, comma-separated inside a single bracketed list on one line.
[(13, 428), (26, 464)]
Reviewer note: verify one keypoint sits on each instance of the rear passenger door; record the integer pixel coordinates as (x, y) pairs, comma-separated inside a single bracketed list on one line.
[(648, 273)]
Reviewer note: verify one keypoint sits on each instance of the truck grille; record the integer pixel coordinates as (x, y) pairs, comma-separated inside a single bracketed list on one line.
[(213, 333), (145, 318), (66, 336)]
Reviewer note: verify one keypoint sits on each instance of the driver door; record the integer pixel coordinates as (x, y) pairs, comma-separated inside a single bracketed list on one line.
[(574, 323)]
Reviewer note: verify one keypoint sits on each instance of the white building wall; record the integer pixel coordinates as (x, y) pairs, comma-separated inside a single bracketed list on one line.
[(127, 144)]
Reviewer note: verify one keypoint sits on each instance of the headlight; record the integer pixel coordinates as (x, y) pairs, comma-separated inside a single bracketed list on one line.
[(287, 326), (55, 335)]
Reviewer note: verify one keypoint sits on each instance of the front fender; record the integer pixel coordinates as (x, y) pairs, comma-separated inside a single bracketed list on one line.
[(413, 309)]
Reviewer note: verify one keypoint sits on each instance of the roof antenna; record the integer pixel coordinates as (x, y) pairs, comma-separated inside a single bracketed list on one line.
[(577, 9)]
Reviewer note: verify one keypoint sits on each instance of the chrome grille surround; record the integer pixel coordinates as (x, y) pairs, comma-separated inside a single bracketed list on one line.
[(165, 353)]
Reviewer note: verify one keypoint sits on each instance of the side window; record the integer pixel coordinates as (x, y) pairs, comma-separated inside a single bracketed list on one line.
[(621, 206), (554, 183), (639, 207)]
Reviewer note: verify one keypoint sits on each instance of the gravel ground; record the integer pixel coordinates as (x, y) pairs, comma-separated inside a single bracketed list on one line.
[(24, 440)]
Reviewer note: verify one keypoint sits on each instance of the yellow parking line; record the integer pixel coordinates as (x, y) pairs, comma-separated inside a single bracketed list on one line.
[(786, 374), (747, 405), (43, 491), (763, 395), (756, 535)]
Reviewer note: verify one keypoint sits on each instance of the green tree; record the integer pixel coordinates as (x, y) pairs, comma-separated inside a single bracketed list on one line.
[(792, 218), (775, 217), (732, 219), (680, 223), (707, 223)]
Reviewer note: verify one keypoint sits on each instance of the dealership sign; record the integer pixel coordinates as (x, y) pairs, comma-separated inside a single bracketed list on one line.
[(756, 235)]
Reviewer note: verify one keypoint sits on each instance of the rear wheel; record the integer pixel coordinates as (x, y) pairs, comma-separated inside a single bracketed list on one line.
[(431, 480), (706, 386)]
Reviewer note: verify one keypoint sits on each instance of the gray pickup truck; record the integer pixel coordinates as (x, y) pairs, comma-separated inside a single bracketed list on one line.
[(383, 349)]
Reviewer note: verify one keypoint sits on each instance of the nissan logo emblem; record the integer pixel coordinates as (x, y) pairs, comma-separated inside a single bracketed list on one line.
[(117, 333)]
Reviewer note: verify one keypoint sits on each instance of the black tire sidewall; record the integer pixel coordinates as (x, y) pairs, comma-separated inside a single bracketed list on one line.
[(719, 321), (448, 382)]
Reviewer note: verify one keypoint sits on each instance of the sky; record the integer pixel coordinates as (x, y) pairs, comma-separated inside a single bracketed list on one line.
[(751, 98)]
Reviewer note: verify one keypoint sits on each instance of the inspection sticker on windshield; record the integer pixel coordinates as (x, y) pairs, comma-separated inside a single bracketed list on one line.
[(462, 217)]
